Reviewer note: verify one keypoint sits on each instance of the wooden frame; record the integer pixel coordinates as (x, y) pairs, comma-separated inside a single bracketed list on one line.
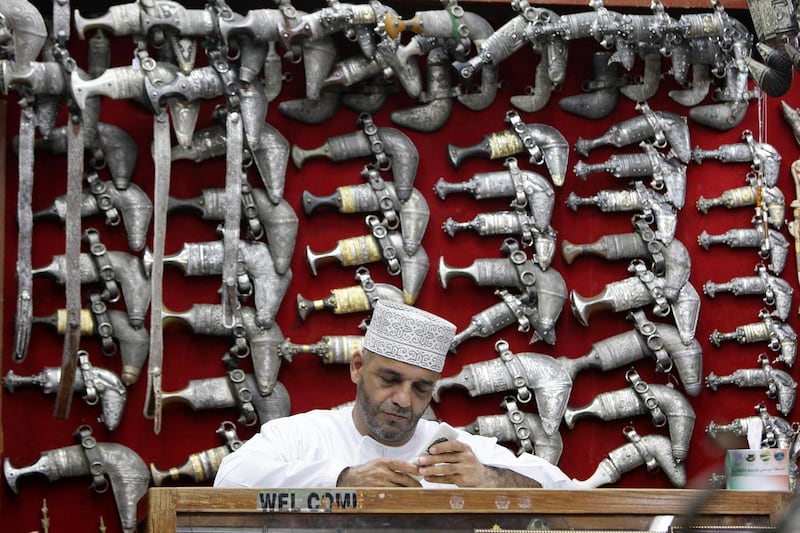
[(3, 144), (644, 4), (168, 508), (500, 4)]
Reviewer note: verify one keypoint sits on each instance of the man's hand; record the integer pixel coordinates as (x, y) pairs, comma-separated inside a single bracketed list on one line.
[(453, 462), (379, 473)]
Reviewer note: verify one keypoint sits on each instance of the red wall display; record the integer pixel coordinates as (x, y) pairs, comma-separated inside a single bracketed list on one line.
[(29, 427)]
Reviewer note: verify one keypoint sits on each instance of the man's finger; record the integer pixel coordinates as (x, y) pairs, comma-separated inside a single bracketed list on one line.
[(455, 456), (439, 469), (402, 466), (404, 480), (441, 479), (447, 446)]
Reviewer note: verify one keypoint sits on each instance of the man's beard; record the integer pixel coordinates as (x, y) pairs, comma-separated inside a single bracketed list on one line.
[(389, 432)]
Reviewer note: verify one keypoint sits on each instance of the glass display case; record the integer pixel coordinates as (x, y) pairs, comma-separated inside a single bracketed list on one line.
[(191, 509)]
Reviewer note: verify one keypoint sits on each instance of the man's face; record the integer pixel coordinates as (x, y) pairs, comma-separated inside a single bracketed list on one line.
[(391, 397)]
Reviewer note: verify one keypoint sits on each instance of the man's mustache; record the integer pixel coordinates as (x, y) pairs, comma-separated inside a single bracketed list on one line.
[(398, 411)]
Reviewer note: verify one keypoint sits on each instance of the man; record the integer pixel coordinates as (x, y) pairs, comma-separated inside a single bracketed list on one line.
[(382, 441)]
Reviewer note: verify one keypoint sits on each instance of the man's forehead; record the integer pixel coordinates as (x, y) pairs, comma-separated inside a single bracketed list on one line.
[(406, 370)]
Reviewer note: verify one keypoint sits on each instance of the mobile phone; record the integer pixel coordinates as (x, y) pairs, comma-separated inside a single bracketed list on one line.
[(444, 433)]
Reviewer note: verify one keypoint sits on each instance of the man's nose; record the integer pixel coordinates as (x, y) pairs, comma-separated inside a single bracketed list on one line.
[(402, 396)]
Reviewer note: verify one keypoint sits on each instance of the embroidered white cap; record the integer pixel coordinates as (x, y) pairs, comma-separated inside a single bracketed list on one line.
[(408, 334)]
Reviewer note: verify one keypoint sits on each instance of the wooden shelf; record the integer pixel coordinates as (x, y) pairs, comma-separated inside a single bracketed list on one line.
[(169, 508)]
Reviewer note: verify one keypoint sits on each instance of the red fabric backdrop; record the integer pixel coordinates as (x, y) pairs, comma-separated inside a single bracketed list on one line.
[(28, 424)]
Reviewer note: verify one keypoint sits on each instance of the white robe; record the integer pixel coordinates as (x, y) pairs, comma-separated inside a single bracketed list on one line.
[(311, 449)]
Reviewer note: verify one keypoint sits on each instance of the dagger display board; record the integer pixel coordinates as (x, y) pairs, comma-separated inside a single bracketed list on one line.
[(28, 426)]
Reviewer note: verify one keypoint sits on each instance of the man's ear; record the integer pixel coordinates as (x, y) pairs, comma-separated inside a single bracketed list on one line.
[(356, 365)]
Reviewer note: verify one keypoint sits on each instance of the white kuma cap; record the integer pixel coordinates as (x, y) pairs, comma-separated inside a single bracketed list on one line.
[(405, 333)]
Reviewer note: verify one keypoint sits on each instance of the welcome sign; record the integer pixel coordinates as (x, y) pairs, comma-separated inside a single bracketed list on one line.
[(306, 500)]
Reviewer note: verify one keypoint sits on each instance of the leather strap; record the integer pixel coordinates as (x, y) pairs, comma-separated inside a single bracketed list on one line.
[(242, 390), (515, 370), (105, 203), (520, 202), (375, 142), (87, 373), (255, 230), (656, 160), (161, 159), (93, 456), (647, 216), (69, 356), (380, 232), (102, 324), (24, 316), (367, 284), (646, 396), (520, 198), (653, 284), (528, 142), (768, 430), (519, 422), (227, 431), (526, 227), (525, 271), (769, 376), (769, 287), (655, 122), (634, 438), (241, 347), (233, 217), (518, 308), (654, 247), (385, 202), (654, 341), (61, 20), (99, 254)]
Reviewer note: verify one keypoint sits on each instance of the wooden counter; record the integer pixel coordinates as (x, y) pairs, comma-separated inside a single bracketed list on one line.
[(208, 509)]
